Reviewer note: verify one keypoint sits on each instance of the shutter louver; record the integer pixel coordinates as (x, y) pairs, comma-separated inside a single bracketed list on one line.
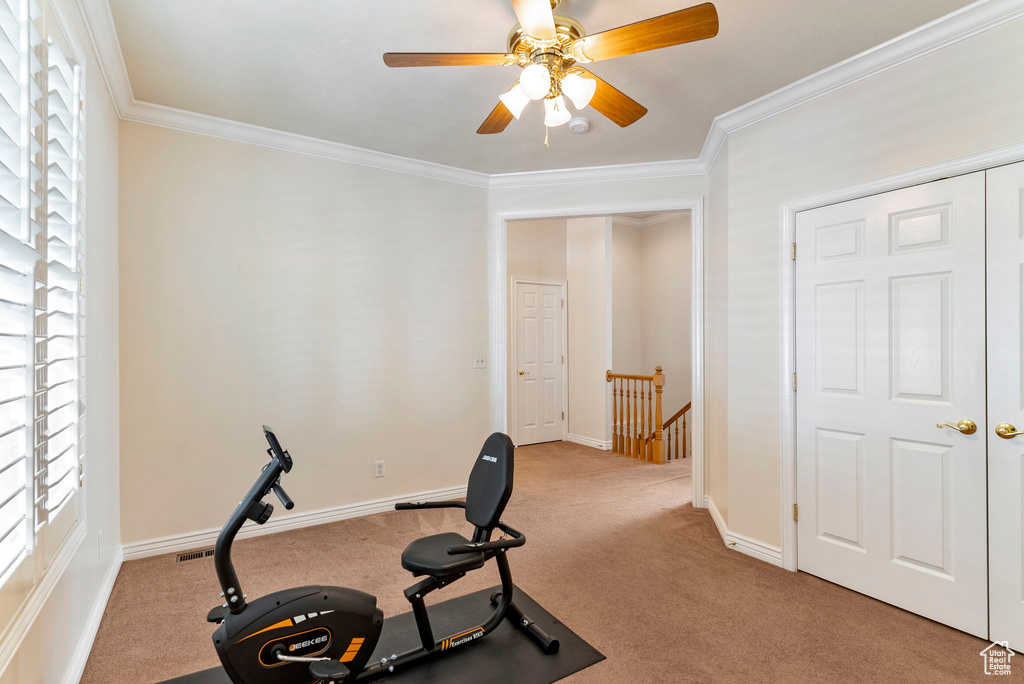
[(58, 341), (18, 67)]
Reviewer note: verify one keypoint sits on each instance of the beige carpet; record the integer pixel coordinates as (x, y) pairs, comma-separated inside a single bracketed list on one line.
[(613, 549)]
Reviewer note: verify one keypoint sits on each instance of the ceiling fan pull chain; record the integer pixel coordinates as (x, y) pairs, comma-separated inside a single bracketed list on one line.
[(546, 129)]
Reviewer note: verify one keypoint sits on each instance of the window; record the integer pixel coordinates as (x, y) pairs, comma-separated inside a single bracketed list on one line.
[(42, 322)]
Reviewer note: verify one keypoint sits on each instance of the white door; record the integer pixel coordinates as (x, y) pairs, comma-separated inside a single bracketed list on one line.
[(1006, 402), (890, 342), (539, 363)]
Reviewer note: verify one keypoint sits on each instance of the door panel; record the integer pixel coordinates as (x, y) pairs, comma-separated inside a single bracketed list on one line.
[(890, 339), (1006, 401), (538, 370)]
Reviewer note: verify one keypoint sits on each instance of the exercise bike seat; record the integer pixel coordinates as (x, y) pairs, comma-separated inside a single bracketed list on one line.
[(429, 556)]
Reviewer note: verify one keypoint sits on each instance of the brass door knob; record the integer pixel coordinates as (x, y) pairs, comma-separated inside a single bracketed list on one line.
[(964, 427), (1006, 431), (522, 372)]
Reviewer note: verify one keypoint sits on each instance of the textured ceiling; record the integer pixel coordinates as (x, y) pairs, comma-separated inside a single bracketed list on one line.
[(314, 67)]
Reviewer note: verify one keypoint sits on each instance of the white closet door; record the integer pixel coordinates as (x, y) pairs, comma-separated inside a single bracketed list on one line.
[(890, 341), (1006, 402)]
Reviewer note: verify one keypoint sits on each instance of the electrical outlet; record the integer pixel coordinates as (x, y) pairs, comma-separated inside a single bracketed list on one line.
[(480, 361), (378, 469)]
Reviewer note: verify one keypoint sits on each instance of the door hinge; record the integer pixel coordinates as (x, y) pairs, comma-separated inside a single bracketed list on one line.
[(563, 303), (794, 252), (563, 358), (563, 415), (796, 513), (794, 382)]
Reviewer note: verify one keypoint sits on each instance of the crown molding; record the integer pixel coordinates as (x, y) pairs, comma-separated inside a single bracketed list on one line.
[(595, 174), (954, 27), (99, 22), (181, 120)]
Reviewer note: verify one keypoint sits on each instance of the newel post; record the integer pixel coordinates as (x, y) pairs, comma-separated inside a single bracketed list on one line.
[(659, 382)]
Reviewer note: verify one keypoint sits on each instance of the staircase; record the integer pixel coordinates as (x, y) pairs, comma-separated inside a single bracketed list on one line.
[(637, 426)]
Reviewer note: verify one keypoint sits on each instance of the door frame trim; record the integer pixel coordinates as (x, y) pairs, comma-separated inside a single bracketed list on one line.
[(788, 209), (514, 353), (498, 307)]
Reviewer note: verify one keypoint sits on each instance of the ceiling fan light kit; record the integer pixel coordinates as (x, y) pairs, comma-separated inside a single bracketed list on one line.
[(515, 100), (536, 81), (550, 49), (556, 112), (578, 89)]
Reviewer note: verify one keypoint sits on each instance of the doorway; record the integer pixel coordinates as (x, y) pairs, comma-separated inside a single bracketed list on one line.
[(599, 314)]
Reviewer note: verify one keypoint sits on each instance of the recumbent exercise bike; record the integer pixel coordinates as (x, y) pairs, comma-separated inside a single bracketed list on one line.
[(327, 634)]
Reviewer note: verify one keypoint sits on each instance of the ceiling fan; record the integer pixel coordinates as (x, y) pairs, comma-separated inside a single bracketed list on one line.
[(550, 49)]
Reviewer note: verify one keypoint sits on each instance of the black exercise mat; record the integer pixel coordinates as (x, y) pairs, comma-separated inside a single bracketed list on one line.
[(505, 656)]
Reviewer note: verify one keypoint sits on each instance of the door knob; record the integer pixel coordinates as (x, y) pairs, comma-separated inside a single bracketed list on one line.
[(522, 372), (964, 427), (1007, 431)]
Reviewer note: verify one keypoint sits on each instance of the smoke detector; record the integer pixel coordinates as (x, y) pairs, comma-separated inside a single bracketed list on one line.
[(579, 124)]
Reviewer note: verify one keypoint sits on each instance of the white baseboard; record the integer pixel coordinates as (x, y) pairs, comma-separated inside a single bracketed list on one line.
[(195, 540), (81, 654), (587, 441), (743, 544)]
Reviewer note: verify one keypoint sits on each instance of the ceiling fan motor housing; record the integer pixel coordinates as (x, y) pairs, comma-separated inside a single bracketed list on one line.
[(526, 50)]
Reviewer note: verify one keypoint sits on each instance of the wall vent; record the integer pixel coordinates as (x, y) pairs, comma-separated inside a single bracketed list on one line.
[(193, 555)]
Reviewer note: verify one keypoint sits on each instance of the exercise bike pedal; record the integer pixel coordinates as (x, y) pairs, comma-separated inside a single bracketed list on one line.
[(329, 671)]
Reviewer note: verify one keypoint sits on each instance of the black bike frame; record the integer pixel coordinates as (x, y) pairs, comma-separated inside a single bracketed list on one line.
[(229, 584)]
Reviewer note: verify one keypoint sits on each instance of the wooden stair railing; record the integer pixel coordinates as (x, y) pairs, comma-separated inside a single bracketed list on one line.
[(674, 421), (637, 426)]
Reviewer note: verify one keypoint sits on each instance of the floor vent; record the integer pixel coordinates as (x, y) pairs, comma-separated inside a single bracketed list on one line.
[(193, 555)]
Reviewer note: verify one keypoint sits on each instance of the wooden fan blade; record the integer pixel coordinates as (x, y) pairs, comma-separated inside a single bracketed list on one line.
[(422, 59), (496, 121), (675, 28), (536, 18), (613, 103)]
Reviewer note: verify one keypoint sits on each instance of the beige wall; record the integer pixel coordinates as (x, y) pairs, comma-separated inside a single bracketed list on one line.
[(627, 299), (666, 338), (59, 633), (536, 249), (716, 334), (340, 304), (588, 251), (962, 99)]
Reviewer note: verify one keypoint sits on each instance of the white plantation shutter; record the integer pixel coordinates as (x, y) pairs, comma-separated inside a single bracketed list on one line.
[(42, 305), (18, 66), (59, 362)]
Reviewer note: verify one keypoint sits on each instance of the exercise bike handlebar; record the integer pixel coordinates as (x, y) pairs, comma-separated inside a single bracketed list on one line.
[(518, 539), (251, 507), (283, 497)]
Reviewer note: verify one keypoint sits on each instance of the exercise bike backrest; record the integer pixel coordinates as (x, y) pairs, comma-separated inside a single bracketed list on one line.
[(490, 483)]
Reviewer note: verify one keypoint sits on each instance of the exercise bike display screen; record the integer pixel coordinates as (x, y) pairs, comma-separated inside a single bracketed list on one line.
[(275, 446)]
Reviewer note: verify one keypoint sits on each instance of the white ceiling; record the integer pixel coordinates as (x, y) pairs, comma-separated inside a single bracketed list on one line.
[(315, 68)]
